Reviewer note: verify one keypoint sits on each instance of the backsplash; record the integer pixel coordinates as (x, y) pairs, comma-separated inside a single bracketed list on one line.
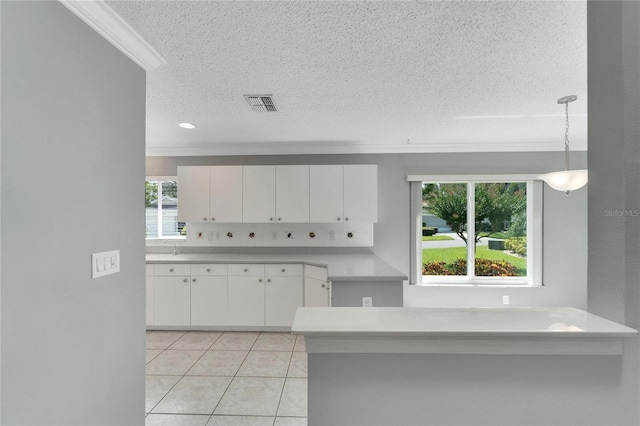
[(280, 235)]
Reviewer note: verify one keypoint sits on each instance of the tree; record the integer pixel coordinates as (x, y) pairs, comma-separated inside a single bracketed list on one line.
[(151, 194), (495, 203)]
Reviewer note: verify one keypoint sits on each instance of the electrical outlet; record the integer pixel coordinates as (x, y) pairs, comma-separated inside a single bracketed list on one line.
[(505, 300), (367, 302)]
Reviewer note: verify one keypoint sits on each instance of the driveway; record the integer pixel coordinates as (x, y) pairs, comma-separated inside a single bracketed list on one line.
[(456, 242)]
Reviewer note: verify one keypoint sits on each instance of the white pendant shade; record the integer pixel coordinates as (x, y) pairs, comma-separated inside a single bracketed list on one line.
[(567, 180)]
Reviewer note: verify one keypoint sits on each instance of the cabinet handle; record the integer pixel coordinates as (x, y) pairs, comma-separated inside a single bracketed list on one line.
[(338, 219), (323, 285), (279, 219), (204, 218), (246, 270), (283, 269), (271, 219), (170, 269), (208, 269), (212, 219), (260, 280), (184, 280), (268, 280), (346, 218), (193, 279)]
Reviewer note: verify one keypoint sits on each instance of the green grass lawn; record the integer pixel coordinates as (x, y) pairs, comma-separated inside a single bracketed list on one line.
[(448, 255), (437, 238), (500, 235)]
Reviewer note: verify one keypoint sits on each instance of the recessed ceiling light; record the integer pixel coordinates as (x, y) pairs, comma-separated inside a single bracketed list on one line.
[(187, 126)]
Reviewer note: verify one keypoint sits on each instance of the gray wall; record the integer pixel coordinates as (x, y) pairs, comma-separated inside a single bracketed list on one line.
[(467, 390), (73, 116), (614, 174), (565, 222)]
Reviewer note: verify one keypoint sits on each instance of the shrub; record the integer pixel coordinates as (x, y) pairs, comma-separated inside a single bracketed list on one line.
[(517, 245), (435, 268), (495, 268), (518, 226), (484, 268)]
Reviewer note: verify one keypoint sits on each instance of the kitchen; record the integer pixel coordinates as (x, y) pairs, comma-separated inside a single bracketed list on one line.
[(597, 278)]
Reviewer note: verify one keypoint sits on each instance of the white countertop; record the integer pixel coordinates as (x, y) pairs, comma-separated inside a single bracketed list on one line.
[(471, 330), (340, 267)]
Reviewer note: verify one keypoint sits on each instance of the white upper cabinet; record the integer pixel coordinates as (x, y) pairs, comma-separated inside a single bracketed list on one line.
[(292, 194), (193, 194), (225, 194), (259, 194), (278, 194), (325, 190), (361, 193), (344, 193)]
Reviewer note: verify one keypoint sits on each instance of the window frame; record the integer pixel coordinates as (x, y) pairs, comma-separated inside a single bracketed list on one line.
[(534, 231), (160, 236)]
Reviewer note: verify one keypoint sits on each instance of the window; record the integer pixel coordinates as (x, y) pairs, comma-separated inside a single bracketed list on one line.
[(476, 230), (161, 209)]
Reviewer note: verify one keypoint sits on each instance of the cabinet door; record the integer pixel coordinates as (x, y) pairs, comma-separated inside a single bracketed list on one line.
[(316, 292), (258, 194), (283, 296), (225, 194), (208, 300), (245, 301), (325, 191), (172, 300), (361, 193), (292, 193), (149, 300), (193, 194)]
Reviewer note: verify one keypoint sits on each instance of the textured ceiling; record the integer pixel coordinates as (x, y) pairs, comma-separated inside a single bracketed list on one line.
[(363, 76)]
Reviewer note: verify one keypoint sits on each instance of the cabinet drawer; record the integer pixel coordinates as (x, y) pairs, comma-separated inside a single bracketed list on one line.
[(209, 269), (315, 272), (171, 269), (246, 269), (283, 270), (149, 270)]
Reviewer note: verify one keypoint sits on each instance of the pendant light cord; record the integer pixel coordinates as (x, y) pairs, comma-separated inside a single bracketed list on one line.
[(566, 137)]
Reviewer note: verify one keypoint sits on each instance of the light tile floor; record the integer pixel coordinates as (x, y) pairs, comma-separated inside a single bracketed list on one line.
[(201, 378)]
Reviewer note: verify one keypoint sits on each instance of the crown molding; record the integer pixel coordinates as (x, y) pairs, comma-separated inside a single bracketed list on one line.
[(106, 22), (301, 148)]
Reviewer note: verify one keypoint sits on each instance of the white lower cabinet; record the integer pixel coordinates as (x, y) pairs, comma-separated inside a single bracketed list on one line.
[(316, 287), (283, 296), (149, 299), (245, 304), (149, 294), (241, 295), (171, 300), (208, 300), (208, 294)]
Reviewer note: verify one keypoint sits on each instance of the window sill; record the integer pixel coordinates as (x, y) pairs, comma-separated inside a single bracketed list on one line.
[(477, 285)]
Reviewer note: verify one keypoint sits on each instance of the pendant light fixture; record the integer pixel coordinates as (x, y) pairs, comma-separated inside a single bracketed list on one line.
[(567, 180)]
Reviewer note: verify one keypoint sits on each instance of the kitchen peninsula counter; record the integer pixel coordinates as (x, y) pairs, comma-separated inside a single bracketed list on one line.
[(410, 366)]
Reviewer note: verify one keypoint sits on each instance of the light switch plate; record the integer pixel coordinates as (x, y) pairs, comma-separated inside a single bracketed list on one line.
[(105, 263)]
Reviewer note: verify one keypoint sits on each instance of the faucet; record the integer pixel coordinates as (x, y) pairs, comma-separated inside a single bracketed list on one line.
[(175, 246)]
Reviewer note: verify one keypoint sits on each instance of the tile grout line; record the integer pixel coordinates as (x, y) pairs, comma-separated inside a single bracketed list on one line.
[(253, 349), (181, 377), (285, 381), (233, 378)]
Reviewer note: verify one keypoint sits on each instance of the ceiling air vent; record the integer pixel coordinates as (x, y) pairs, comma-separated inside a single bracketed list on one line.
[(261, 103)]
